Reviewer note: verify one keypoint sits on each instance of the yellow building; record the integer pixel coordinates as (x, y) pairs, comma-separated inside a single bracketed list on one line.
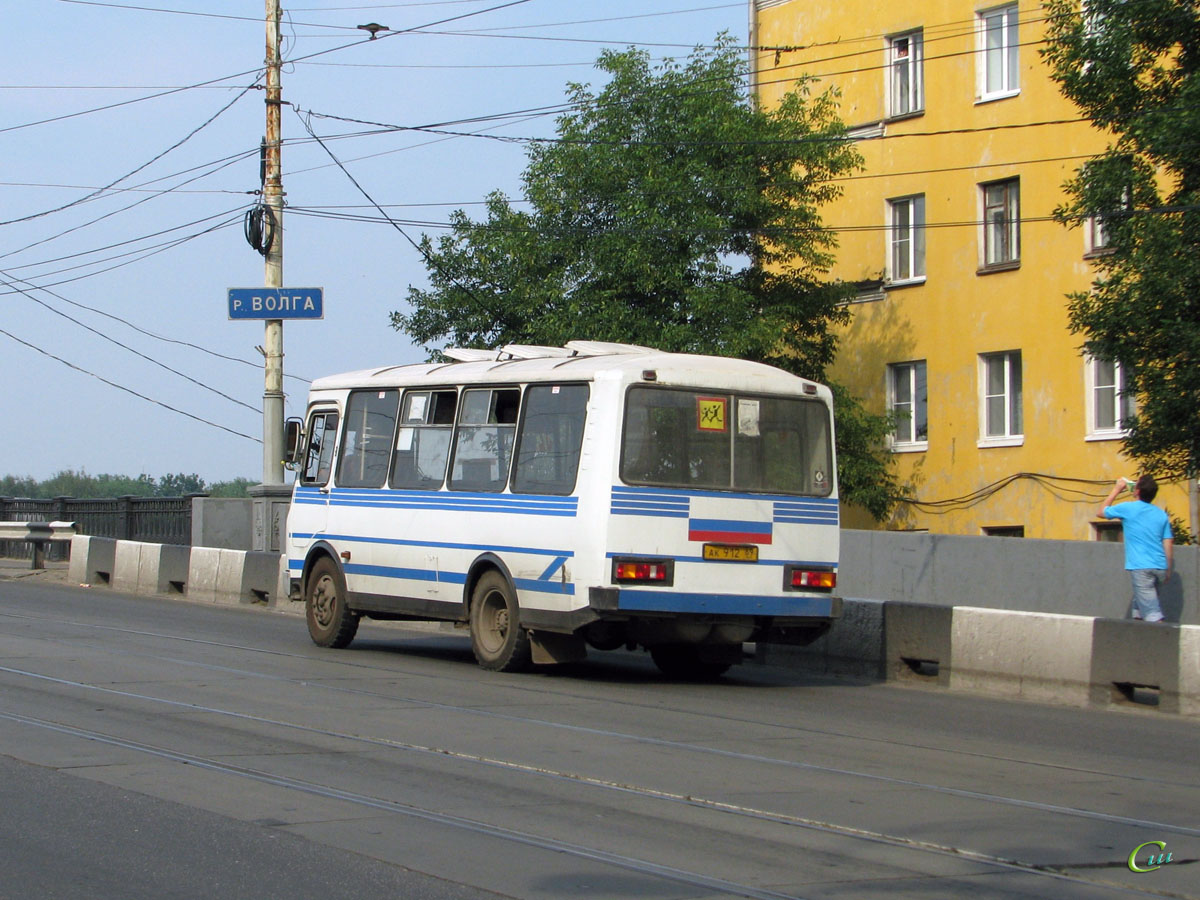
[(961, 316)]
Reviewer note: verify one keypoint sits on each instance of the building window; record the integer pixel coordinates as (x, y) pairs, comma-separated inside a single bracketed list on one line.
[(906, 239), (1000, 378), (1004, 531), (1110, 403), (1109, 532), (906, 90), (1097, 234), (999, 74), (1001, 223), (907, 400)]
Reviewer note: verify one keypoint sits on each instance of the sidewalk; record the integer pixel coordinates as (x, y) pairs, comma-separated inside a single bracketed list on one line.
[(14, 569)]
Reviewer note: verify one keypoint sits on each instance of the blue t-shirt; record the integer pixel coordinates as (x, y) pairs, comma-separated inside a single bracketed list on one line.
[(1146, 527)]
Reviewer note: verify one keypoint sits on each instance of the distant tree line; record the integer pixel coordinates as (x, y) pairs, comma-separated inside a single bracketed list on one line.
[(69, 483)]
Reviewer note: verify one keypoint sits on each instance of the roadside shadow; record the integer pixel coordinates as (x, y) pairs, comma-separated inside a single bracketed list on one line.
[(1170, 598)]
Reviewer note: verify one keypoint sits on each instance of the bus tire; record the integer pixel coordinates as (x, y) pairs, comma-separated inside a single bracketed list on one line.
[(683, 661), (331, 622), (498, 641)]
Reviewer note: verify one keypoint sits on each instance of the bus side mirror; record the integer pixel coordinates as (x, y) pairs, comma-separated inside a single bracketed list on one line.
[(293, 440)]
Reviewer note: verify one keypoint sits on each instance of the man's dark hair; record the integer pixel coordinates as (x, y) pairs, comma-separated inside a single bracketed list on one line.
[(1147, 488)]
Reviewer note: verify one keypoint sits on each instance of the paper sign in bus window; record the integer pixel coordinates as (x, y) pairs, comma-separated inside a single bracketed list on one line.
[(711, 413), (748, 412)]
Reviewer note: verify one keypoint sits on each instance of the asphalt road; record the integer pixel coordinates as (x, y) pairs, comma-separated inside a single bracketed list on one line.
[(153, 747)]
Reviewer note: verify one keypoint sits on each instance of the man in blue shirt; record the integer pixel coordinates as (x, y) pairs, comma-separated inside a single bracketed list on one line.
[(1149, 544)]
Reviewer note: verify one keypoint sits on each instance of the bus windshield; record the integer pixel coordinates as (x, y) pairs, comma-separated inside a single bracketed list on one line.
[(723, 441)]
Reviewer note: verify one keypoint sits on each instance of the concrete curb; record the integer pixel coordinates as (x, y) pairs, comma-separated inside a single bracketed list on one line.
[(204, 574), (1043, 657)]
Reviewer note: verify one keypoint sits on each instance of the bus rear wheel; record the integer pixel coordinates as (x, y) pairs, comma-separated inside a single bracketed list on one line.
[(686, 662), (498, 641), (331, 622)]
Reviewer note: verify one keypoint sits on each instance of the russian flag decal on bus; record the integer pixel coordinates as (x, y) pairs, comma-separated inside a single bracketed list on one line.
[(729, 531)]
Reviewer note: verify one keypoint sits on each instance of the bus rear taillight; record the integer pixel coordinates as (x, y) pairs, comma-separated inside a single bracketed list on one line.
[(644, 571), (798, 579)]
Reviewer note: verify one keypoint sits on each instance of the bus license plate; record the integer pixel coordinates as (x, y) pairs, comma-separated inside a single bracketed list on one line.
[(731, 553)]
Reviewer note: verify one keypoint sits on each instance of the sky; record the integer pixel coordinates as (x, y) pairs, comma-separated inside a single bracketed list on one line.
[(129, 136)]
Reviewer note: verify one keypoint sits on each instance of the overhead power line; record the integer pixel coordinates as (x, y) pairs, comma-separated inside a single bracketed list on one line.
[(175, 146), (128, 390), (126, 347), (143, 331)]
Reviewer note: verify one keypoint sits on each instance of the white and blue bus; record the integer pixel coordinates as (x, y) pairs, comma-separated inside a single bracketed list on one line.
[(555, 498)]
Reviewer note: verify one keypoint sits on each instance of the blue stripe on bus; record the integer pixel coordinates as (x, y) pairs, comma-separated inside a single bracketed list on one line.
[(739, 525), (455, 578), (679, 494), (555, 565), (451, 501), (441, 545), (724, 604)]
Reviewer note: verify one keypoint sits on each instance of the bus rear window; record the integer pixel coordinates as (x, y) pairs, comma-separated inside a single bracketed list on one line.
[(720, 441)]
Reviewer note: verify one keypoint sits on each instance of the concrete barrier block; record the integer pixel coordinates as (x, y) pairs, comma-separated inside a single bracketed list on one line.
[(163, 569), (283, 585), (260, 576), (1032, 656), (92, 559), (1189, 670), (917, 643), (231, 570), (127, 559), (1128, 655), (852, 646), (203, 568)]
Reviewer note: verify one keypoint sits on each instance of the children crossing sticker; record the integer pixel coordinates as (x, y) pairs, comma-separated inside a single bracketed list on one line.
[(711, 413)]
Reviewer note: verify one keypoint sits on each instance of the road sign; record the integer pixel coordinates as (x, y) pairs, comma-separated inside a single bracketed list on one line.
[(276, 303)]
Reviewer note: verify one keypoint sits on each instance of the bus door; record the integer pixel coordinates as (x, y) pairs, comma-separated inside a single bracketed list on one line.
[(311, 517)]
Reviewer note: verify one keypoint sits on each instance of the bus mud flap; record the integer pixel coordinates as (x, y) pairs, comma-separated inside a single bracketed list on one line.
[(550, 647)]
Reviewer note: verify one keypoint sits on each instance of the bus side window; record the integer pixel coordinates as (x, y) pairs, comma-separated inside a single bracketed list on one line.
[(367, 443), (423, 440), (483, 440), (322, 431), (550, 439)]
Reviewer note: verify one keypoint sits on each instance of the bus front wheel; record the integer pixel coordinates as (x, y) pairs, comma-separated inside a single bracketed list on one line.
[(331, 623), (498, 641)]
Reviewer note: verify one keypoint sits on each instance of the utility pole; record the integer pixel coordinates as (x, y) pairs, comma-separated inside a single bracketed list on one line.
[(270, 499), (273, 276)]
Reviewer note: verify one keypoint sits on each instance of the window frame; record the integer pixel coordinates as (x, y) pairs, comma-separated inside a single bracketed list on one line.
[(503, 430), (919, 405), (327, 456), (1005, 230), (1007, 52), (369, 444), (914, 65), (1123, 401), (418, 429), (912, 244), (1013, 433), (523, 457)]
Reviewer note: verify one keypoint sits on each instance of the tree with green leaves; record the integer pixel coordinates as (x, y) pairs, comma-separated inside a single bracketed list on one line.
[(669, 211), (1132, 69)]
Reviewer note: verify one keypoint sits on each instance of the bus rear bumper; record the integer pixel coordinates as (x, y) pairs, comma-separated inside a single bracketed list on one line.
[(795, 606)]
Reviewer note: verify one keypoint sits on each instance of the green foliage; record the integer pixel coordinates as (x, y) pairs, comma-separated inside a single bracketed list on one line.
[(236, 488), (669, 212), (1179, 530), (1131, 68), (69, 483)]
